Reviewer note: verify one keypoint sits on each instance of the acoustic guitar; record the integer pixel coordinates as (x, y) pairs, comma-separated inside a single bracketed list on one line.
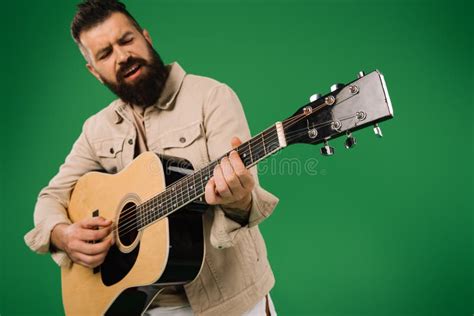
[(156, 202)]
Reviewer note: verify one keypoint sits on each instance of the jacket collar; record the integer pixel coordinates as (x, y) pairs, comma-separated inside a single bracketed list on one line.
[(168, 96)]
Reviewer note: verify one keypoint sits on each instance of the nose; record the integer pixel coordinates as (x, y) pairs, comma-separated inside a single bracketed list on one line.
[(122, 55)]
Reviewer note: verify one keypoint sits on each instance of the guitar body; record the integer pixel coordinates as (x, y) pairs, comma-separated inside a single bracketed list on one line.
[(142, 262)]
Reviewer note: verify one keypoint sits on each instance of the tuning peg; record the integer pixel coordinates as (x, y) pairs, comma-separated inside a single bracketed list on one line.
[(360, 74), (336, 86), (350, 142), (327, 150), (378, 130), (314, 97)]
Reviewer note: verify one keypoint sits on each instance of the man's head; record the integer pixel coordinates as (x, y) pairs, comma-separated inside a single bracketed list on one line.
[(118, 51)]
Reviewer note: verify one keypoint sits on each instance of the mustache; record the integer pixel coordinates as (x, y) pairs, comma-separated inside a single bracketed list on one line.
[(131, 61)]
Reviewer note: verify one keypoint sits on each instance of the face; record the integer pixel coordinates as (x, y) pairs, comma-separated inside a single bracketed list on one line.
[(122, 57)]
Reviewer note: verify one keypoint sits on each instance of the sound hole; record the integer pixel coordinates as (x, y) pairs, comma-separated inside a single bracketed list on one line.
[(117, 264), (128, 224)]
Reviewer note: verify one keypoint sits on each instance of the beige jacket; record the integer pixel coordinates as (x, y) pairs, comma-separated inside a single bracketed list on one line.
[(195, 118)]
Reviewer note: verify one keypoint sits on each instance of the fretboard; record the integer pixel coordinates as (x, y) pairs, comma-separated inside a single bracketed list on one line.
[(192, 187)]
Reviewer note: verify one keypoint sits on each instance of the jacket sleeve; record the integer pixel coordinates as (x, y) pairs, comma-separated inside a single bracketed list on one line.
[(53, 200), (223, 119)]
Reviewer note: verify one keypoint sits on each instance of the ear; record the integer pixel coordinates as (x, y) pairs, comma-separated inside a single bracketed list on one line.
[(147, 36), (94, 72)]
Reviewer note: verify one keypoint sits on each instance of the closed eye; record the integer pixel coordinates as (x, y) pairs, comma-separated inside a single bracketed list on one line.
[(125, 41), (104, 54)]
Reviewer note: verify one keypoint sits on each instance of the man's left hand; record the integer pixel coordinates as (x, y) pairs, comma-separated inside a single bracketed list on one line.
[(232, 183)]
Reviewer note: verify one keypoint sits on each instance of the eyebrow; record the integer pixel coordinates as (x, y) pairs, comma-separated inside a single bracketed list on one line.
[(105, 49)]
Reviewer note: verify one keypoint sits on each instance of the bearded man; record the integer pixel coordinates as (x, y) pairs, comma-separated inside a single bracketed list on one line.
[(162, 109)]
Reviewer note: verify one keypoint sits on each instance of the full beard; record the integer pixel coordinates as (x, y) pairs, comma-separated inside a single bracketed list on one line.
[(147, 88)]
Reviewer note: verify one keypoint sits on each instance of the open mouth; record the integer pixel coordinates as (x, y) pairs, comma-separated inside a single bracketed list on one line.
[(132, 71)]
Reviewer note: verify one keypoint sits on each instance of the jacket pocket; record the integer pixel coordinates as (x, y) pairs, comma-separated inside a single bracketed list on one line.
[(182, 137), (109, 152), (186, 142)]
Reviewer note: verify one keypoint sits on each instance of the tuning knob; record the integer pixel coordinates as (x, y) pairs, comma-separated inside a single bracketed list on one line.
[(336, 86), (350, 142), (360, 74), (314, 97), (327, 150), (378, 130)]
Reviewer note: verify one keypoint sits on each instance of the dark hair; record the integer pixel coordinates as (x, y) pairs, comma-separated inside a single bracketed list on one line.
[(93, 12)]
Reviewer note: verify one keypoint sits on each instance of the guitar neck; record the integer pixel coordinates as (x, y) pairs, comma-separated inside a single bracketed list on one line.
[(192, 187)]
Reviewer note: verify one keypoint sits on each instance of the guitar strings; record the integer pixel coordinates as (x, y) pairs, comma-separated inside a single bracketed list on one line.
[(290, 136), (288, 121), (122, 221), (127, 223), (132, 220)]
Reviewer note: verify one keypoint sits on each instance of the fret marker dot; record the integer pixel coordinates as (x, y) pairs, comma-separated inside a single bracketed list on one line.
[(244, 155)]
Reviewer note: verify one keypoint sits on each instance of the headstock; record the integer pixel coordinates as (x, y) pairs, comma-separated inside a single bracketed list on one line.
[(345, 109)]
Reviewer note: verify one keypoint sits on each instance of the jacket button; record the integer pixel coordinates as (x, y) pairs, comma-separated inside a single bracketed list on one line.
[(182, 139), (130, 141), (111, 150)]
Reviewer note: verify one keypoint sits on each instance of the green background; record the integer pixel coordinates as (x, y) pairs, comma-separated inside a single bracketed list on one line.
[(383, 229)]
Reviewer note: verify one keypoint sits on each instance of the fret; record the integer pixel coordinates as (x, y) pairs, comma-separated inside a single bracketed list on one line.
[(153, 211), (139, 215), (199, 186), (147, 212), (150, 211), (172, 197), (257, 151), (168, 202), (160, 209), (250, 152), (191, 187), (202, 183), (143, 214), (263, 144), (271, 139), (197, 183), (244, 154), (178, 196), (185, 190)]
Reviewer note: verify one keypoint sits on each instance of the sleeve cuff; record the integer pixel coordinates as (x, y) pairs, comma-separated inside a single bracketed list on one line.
[(263, 204), (39, 238), (225, 231)]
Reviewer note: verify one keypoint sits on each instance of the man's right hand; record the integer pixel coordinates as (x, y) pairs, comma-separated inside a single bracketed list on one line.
[(76, 240)]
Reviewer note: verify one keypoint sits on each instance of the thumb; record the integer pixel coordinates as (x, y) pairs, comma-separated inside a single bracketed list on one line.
[(235, 142)]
